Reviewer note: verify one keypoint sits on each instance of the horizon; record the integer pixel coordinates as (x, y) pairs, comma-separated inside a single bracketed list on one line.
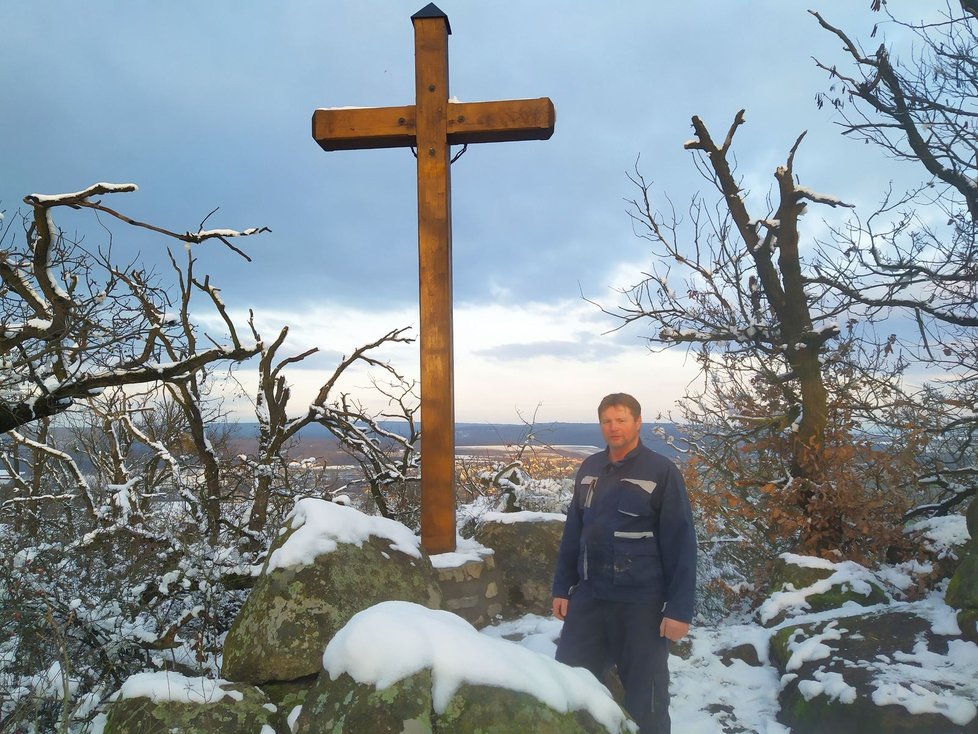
[(562, 434)]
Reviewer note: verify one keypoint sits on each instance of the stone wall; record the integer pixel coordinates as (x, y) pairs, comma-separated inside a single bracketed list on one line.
[(471, 590), (504, 571)]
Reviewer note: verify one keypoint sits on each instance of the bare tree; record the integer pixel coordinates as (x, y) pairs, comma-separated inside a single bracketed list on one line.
[(744, 289), (125, 516), (783, 383), (916, 255), (342, 415), (388, 458), (75, 322), (190, 393), (921, 111)]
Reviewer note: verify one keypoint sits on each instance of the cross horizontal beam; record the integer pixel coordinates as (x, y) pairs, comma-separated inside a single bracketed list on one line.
[(353, 128)]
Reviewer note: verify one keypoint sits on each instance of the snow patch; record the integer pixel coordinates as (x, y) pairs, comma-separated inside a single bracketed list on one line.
[(394, 640), (319, 526)]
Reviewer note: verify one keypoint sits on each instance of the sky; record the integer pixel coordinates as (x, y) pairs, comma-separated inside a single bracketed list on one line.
[(208, 105), (392, 640)]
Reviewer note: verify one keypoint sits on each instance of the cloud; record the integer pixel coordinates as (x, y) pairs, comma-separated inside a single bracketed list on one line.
[(571, 350), (225, 122), (508, 359)]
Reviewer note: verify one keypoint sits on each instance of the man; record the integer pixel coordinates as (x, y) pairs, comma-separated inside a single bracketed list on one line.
[(626, 569)]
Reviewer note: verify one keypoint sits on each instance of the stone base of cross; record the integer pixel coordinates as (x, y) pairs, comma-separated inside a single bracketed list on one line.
[(432, 125)]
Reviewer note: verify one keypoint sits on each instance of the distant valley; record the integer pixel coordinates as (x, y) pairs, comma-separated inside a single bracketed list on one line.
[(317, 441)]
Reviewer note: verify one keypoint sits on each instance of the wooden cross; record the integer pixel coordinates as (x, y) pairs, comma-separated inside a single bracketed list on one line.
[(433, 124)]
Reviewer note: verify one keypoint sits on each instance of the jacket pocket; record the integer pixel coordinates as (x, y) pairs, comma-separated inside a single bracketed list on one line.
[(633, 502), (636, 559)]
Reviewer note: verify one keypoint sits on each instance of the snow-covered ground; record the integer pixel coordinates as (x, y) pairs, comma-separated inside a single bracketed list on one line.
[(705, 692), (708, 695)]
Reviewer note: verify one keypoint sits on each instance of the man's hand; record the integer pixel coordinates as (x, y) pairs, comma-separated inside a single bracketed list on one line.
[(560, 607), (670, 628)]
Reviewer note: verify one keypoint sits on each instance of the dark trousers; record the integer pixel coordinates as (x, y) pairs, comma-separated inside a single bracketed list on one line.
[(598, 634)]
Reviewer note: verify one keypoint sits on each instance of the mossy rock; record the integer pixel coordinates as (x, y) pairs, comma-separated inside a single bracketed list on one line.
[(779, 652), (490, 710), (968, 622), (287, 695), (962, 590), (345, 706), (840, 595), (790, 576), (859, 657), (292, 612), (864, 638), (143, 715), (525, 556), (437, 673), (821, 715)]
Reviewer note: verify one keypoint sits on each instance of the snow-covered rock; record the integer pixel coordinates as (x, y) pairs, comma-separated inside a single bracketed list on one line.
[(432, 671), (166, 702), (328, 563)]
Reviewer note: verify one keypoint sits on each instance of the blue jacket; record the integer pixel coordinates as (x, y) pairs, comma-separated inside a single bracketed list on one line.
[(629, 534)]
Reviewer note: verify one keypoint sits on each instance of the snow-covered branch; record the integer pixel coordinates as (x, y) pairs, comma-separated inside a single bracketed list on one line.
[(75, 323)]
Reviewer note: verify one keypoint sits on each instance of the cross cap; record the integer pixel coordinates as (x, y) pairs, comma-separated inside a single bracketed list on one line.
[(432, 11)]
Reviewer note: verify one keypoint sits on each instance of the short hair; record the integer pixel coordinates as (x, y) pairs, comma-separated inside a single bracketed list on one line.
[(620, 399)]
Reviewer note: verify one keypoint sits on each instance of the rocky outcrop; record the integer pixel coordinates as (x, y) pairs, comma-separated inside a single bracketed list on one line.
[(162, 703), (344, 706), (398, 668), (853, 661), (525, 545), (836, 677), (330, 563), (822, 584), (849, 658)]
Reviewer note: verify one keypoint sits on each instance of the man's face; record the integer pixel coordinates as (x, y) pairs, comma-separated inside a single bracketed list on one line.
[(620, 429)]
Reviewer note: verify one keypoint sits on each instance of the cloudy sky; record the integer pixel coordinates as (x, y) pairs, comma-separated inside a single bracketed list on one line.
[(208, 105)]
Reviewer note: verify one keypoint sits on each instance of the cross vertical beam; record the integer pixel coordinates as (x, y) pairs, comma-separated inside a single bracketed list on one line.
[(435, 283), (433, 124)]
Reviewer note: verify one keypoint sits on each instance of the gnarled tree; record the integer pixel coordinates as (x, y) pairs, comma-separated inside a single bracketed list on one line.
[(916, 256), (74, 322), (734, 288), (344, 417)]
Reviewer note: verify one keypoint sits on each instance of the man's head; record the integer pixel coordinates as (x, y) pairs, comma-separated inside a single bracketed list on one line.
[(620, 416), (622, 399)]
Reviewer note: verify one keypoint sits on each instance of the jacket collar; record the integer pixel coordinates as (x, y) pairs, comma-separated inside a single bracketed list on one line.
[(626, 458)]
